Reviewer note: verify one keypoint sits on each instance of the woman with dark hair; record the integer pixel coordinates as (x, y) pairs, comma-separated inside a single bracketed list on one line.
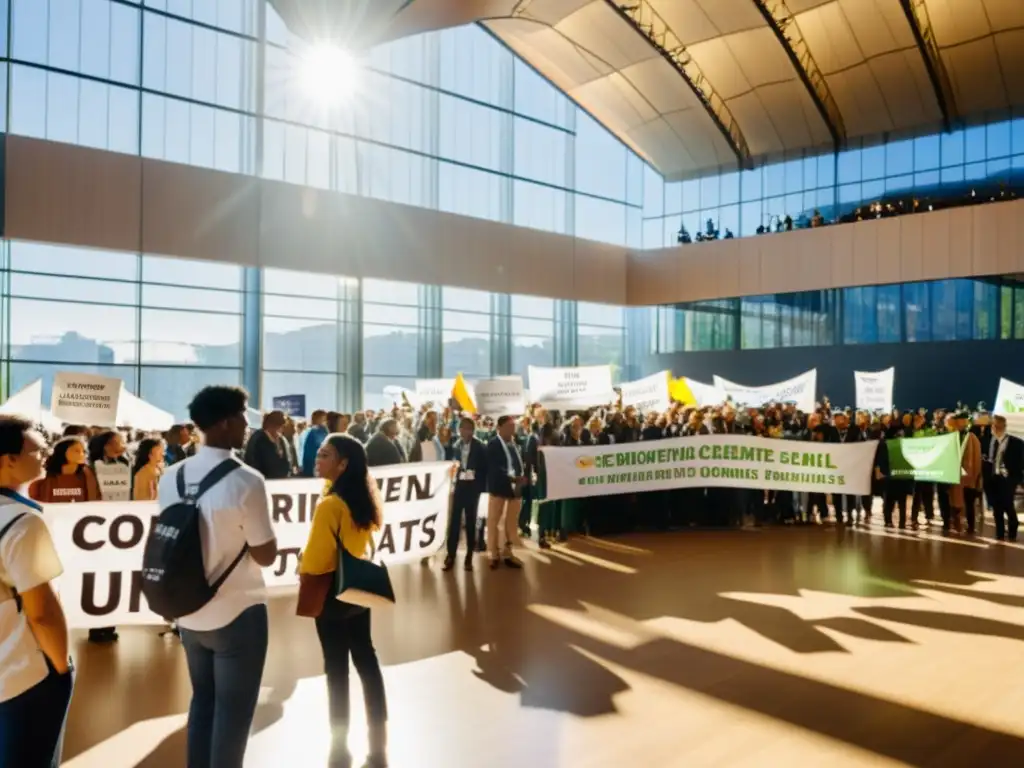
[(347, 515), (114, 478), (148, 467), (67, 478)]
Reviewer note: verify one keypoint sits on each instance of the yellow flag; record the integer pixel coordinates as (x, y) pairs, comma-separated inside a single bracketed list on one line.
[(679, 390), (461, 394)]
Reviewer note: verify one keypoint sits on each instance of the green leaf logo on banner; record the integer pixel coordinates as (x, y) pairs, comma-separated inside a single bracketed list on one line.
[(932, 459), (1009, 407)]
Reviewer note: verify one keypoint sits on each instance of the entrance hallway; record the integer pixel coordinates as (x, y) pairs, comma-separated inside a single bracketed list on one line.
[(777, 646)]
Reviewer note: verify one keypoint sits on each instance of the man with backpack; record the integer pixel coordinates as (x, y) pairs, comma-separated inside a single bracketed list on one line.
[(211, 584), (35, 670)]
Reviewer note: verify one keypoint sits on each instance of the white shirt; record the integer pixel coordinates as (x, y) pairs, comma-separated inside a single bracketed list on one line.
[(997, 448), (234, 512), (28, 559)]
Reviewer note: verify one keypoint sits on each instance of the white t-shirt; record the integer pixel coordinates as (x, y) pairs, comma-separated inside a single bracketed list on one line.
[(27, 560), (234, 512)]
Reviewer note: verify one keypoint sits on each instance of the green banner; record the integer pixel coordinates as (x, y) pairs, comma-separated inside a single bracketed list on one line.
[(929, 459)]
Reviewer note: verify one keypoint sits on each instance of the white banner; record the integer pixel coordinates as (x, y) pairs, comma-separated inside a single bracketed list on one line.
[(800, 390), (731, 461), (101, 543), (874, 389), (503, 396), (705, 394), (1010, 403), (436, 391), (571, 389), (83, 398), (648, 394), (114, 480)]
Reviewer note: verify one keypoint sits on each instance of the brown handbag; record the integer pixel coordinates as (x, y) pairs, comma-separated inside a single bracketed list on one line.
[(313, 592)]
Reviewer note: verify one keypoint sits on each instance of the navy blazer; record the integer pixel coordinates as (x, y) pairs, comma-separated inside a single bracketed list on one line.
[(498, 482), (477, 463)]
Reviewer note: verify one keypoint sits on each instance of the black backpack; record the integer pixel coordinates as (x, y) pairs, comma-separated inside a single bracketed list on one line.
[(173, 574)]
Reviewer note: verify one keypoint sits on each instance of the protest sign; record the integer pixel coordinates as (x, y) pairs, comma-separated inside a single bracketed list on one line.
[(647, 394), (933, 459), (291, 405), (101, 543), (503, 396), (114, 481), (800, 390), (874, 389), (84, 398), (732, 461), (571, 389)]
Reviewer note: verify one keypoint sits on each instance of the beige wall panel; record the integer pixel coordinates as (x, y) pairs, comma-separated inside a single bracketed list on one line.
[(984, 251), (911, 247), (841, 253), (726, 263), (60, 193), (887, 265), (749, 255), (654, 277), (961, 241), (935, 245), (599, 271), (780, 263), (865, 252), (1008, 242), (295, 231), (199, 213), (815, 261)]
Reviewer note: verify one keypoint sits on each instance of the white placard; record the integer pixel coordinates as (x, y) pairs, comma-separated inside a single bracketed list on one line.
[(86, 399), (436, 391), (1010, 403), (101, 543), (800, 390), (114, 481), (728, 461), (874, 389), (504, 396), (647, 395), (569, 389), (705, 394)]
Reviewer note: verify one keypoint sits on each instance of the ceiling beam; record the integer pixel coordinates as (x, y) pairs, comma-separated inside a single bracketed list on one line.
[(642, 17), (920, 23), (783, 23)]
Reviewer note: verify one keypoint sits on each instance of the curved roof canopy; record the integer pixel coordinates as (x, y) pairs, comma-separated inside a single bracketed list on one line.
[(698, 86)]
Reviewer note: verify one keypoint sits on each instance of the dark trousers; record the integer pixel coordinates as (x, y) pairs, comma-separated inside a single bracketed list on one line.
[(1001, 496), (942, 491), (464, 508), (344, 630), (526, 509), (971, 498), (819, 502), (896, 496), (32, 724), (225, 666), (924, 498)]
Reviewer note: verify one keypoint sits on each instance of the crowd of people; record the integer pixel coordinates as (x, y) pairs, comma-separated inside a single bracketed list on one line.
[(225, 638)]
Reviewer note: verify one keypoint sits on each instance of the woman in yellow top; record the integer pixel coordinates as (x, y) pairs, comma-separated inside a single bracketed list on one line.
[(347, 515)]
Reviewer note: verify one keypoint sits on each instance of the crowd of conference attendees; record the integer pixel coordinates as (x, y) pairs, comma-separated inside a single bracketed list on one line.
[(284, 447)]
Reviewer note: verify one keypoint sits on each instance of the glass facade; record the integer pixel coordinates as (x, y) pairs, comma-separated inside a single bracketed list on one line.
[(449, 120), (984, 160), (940, 310)]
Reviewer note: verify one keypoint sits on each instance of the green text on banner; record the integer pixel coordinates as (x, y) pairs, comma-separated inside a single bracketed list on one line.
[(930, 459), (732, 461)]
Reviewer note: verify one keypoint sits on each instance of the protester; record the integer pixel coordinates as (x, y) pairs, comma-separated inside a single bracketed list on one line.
[(266, 451), (68, 478), (470, 483), (226, 640), (36, 677), (147, 470), (505, 483), (347, 515)]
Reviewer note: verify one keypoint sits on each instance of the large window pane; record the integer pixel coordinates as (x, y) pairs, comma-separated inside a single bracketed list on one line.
[(173, 388), (191, 338), (62, 331), (320, 389)]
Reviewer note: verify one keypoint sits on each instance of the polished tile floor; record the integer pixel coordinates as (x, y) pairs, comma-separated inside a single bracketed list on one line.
[(779, 646)]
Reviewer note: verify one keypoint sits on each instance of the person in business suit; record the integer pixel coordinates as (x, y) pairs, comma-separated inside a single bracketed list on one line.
[(505, 482), (1006, 458), (845, 433), (470, 482), (384, 448)]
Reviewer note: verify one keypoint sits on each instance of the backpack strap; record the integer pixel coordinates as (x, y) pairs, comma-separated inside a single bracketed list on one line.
[(234, 564), (213, 477), (10, 524)]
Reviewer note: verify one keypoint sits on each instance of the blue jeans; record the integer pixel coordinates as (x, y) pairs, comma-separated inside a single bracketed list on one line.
[(32, 724), (225, 666)]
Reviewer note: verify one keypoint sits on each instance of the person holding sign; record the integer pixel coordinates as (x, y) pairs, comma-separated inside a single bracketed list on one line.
[(1006, 458), (347, 515), (36, 678)]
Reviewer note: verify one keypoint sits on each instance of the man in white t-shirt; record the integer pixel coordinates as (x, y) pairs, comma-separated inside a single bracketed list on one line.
[(225, 640), (35, 671)]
